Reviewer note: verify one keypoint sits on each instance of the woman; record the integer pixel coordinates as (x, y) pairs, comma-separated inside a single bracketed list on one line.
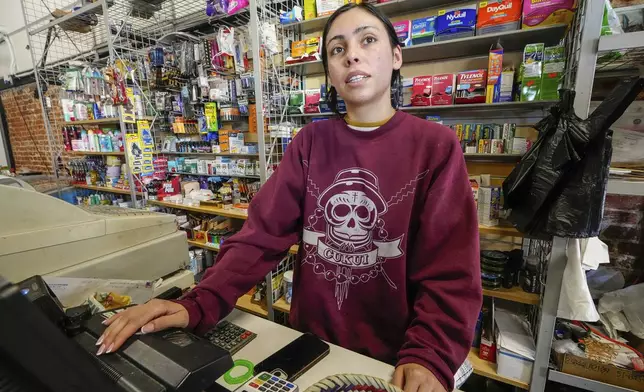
[(383, 207)]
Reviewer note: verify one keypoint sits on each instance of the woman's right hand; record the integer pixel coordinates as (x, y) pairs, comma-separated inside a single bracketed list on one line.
[(153, 316)]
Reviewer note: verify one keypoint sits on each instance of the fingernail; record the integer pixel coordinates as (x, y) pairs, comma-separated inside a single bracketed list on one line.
[(104, 322), (146, 329), (100, 350), (100, 340), (109, 350)]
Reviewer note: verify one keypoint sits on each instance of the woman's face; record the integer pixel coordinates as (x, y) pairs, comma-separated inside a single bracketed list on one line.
[(360, 57)]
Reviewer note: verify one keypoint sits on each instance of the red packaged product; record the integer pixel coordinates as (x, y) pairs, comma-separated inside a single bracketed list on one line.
[(442, 89), (471, 86), (421, 91)]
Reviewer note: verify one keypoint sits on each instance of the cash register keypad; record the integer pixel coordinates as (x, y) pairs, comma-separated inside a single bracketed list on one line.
[(230, 337), (266, 382)]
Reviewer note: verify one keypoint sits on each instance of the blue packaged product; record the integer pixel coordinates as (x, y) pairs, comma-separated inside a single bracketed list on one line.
[(423, 30), (456, 23)]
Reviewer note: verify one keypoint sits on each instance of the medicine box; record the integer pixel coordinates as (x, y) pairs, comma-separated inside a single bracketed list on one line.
[(310, 9), (422, 91), (403, 31), (423, 30), (541, 13), (489, 202), (312, 101), (495, 68), (236, 142), (497, 16), (553, 68), (507, 86), (470, 87), (407, 91), (442, 89), (456, 22), (327, 7)]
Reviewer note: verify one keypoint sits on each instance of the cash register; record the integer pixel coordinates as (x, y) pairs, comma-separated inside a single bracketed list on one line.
[(36, 355)]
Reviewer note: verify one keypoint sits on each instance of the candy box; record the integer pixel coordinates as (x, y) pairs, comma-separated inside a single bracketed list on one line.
[(456, 22), (421, 91), (540, 13), (403, 31), (442, 89), (470, 86), (423, 30), (496, 16)]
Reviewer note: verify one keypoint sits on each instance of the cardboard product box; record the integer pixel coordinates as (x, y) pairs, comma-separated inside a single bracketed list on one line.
[(224, 141), (236, 142), (541, 13), (519, 145), (327, 7), (312, 101), (553, 69), (456, 22), (310, 9), (494, 71), (497, 16), (421, 91), (443, 89), (594, 370), (489, 205), (403, 31), (423, 30), (515, 348), (471, 86), (407, 91), (507, 86)]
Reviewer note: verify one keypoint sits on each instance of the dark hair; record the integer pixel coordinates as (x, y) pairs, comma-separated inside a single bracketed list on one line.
[(331, 93)]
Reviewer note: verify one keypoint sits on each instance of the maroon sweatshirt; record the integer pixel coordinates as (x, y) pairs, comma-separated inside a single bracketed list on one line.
[(389, 262)]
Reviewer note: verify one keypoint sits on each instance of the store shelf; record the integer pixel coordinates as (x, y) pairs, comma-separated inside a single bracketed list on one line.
[(203, 245), (111, 120), (246, 304), (119, 153), (583, 383), (634, 40), (391, 8), (515, 294), (625, 187), (478, 45), (501, 109), (206, 154), (214, 175), (506, 158), (236, 214), (106, 189), (282, 306), (488, 369), (500, 230)]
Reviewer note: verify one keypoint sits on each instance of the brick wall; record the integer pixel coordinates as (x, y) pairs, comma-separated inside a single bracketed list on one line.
[(623, 232), (27, 133)]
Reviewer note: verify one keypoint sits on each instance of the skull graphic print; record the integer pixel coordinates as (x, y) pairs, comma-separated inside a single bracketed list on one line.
[(346, 239)]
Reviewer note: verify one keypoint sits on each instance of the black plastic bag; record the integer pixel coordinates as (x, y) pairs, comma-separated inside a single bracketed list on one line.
[(559, 186)]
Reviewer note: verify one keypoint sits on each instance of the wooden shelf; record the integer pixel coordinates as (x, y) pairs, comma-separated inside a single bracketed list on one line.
[(488, 369), (236, 214), (245, 303), (206, 154), (515, 294), (500, 230), (215, 175), (118, 153), (106, 189), (203, 245), (282, 306)]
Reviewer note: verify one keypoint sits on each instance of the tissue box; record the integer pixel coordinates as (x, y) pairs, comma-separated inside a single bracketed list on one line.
[(496, 16), (403, 31), (470, 87), (423, 30), (541, 13), (422, 91), (456, 23), (442, 89)]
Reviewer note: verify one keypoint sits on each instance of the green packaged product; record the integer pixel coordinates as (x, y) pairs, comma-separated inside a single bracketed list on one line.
[(296, 102), (553, 69), (532, 72)]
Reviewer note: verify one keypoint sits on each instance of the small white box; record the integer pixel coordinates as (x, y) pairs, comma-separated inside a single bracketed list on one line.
[(519, 145), (236, 143), (515, 348)]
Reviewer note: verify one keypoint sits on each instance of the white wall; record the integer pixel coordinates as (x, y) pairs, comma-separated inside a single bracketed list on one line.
[(12, 21)]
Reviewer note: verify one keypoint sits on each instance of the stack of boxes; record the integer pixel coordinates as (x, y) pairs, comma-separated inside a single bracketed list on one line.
[(220, 166), (478, 138)]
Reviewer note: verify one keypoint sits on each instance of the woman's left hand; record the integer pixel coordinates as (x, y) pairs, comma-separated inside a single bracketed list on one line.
[(412, 377)]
